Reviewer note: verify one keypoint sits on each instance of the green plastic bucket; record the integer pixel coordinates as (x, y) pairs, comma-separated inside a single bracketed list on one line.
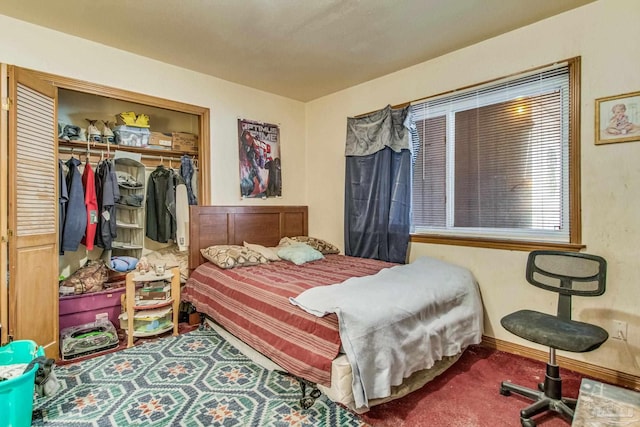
[(16, 394)]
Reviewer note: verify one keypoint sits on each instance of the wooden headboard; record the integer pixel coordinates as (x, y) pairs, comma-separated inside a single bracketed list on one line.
[(233, 225)]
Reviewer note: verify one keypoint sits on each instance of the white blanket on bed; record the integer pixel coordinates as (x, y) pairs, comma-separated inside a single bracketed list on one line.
[(400, 320)]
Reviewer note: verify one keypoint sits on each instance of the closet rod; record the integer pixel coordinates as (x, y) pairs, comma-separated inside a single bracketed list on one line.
[(98, 152)]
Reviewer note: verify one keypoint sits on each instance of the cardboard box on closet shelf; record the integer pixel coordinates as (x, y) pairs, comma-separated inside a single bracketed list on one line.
[(161, 140), (185, 142)]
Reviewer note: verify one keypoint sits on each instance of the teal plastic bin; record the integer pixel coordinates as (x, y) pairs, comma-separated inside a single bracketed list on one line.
[(16, 394)]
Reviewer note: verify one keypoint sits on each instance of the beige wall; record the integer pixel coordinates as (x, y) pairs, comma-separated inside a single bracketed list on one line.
[(606, 35), (41, 49)]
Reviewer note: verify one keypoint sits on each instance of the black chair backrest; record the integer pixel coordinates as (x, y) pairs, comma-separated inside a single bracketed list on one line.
[(568, 273)]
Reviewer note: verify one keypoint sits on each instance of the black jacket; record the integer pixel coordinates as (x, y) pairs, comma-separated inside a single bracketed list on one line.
[(108, 194), (161, 205)]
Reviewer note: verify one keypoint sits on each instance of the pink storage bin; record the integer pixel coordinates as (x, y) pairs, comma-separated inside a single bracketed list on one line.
[(80, 309)]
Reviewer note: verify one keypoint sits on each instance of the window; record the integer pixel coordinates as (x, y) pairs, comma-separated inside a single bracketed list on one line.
[(500, 161)]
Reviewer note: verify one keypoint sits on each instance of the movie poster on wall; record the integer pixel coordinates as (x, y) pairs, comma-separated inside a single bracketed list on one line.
[(260, 171)]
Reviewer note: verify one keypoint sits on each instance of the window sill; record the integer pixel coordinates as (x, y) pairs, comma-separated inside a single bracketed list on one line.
[(512, 245)]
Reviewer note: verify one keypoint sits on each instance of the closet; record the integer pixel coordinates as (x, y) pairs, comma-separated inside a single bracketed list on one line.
[(33, 105)]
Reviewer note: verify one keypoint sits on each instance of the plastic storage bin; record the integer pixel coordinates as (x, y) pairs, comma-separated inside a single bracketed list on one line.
[(16, 394), (132, 136), (94, 337), (85, 308)]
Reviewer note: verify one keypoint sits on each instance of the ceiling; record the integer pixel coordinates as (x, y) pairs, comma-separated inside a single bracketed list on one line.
[(300, 49)]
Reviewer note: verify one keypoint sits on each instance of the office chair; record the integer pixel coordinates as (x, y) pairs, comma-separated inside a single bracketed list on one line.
[(567, 273)]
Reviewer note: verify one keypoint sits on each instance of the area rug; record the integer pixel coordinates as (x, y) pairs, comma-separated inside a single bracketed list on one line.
[(195, 379)]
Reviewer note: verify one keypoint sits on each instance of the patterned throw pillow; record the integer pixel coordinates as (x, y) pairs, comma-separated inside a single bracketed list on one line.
[(229, 256), (320, 245)]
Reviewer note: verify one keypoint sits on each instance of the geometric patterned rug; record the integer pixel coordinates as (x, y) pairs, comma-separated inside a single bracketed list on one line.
[(195, 379)]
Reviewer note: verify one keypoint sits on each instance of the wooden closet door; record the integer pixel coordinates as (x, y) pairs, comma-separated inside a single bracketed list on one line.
[(4, 202), (33, 211)]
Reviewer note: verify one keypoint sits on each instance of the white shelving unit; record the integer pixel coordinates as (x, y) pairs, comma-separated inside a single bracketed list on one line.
[(130, 217)]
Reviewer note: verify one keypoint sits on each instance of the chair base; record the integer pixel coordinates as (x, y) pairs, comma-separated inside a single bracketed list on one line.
[(547, 398)]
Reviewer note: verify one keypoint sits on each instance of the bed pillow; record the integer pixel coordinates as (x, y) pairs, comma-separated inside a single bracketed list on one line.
[(320, 245), (230, 256), (269, 253), (299, 253)]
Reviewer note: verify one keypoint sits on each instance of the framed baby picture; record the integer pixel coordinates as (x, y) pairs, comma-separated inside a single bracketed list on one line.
[(618, 118)]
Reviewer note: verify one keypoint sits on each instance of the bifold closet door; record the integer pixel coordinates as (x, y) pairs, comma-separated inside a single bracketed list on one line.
[(33, 211)]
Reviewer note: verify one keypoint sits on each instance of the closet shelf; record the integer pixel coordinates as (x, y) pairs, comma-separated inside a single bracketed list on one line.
[(127, 225), (131, 187), (82, 146), (118, 245), (129, 207)]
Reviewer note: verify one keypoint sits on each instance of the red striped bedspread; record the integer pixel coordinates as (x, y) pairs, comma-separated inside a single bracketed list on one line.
[(253, 304)]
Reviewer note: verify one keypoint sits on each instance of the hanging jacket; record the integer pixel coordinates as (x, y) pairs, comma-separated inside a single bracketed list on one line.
[(63, 199), (187, 172), (161, 205), (91, 205), (75, 222), (107, 194)]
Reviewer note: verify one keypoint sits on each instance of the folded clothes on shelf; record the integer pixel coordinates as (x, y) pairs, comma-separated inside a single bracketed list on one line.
[(125, 178), (131, 200)]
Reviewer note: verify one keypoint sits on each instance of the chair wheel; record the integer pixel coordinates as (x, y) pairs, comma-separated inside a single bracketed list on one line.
[(527, 422), (504, 391)]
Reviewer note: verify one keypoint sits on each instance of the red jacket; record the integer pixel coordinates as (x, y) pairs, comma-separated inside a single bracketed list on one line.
[(91, 202)]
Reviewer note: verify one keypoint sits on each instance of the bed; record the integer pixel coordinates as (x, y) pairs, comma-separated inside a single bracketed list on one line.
[(255, 303)]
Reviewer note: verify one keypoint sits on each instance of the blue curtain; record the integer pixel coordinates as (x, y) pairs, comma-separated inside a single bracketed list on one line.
[(378, 185)]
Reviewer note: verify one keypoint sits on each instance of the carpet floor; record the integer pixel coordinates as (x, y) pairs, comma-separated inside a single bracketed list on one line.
[(467, 395), (199, 379)]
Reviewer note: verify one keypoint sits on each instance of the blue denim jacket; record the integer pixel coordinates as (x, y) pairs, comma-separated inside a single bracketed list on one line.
[(186, 171), (75, 222)]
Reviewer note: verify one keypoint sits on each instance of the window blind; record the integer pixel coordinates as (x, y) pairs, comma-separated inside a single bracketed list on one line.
[(494, 160)]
